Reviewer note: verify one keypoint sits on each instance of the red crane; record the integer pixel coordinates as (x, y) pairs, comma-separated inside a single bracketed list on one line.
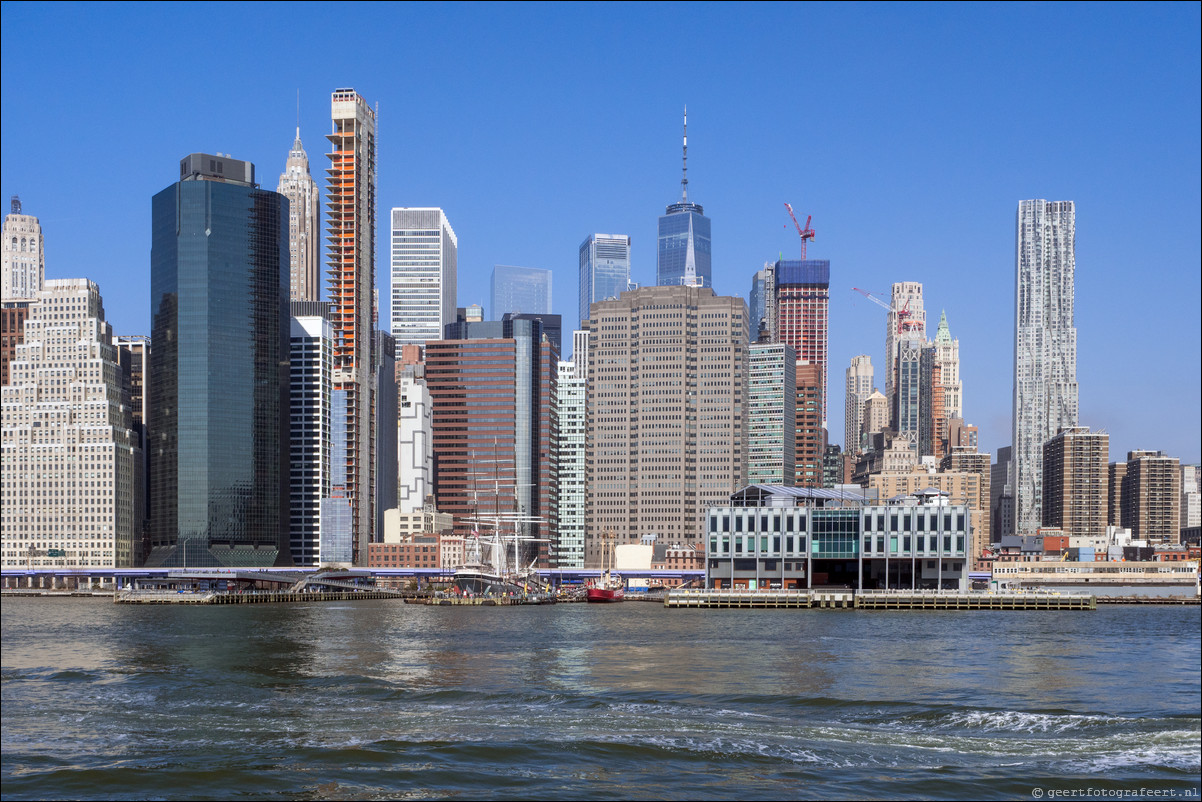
[(903, 315), (806, 233)]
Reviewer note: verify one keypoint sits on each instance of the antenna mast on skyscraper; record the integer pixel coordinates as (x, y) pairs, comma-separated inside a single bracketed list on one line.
[(684, 174)]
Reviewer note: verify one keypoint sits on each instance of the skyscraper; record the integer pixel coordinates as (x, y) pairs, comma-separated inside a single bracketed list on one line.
[(304, 238), (859, 386), (1045, 345), (219, 416), (669, 439), (1074, 481), (683, 256), (22, 257), (1151, 497), (604, 269), (351, 228), (425, 263), (802, 299), (907, 320), (415, 447), (493, 391), (311, 361), (771, 414), (71, 481), (760, 302), (520, 290), (571, 414)]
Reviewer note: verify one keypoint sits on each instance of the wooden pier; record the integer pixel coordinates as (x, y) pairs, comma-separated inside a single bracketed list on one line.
[(257, 597), (879, 600)]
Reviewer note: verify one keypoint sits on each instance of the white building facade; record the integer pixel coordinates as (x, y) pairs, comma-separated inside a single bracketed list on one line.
[(858, 381), (23, 266), (425, 257), (70, 456), (310, 396), (415, 441), (1045, 345), (570, 401), (304, 233), (771, 414)]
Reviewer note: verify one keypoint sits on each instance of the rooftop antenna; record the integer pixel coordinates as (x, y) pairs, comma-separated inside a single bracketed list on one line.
[(684, 175)]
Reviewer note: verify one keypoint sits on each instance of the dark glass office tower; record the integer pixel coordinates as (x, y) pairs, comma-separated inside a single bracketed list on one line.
[(219, 411), (684, 237)]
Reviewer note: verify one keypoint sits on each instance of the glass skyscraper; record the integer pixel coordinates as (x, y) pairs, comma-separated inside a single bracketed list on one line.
[(604, 269), (520, 290), (219, 401), (424, 263), (683, 255)]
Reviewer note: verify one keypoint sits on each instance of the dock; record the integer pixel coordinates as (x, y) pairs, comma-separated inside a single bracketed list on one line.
[(879, 600), (255, 597)]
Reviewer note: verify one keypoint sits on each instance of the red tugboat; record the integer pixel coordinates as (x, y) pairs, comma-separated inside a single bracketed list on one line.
[(609, 587)]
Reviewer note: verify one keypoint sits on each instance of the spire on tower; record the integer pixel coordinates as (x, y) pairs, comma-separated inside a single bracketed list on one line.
[(684, 176)]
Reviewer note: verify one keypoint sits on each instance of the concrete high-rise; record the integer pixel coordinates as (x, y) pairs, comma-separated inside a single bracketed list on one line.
[(876, 417), (415, 444), (604, 270), (520, 290), (311, 366), (683, 252), (351, 232), (1074, 481), (667, 413), (304, 225), (966, 459), (802, 300), (72, 465), (571, 412), (811, 434), (425, 264), (1001, 495), (219, 411), (1045, 345), (905, 320), (1191, 496), (771, 414), (22, 255), (858, 381), (1151, 495)]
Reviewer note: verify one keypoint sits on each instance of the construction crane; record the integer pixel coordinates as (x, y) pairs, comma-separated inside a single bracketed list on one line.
[(904, 323), (806, 233)]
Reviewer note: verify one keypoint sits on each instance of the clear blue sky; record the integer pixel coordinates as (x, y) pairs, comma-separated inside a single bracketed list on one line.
[(909, 132)]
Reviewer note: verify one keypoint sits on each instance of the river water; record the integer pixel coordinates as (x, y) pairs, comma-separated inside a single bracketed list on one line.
[(376, 699)]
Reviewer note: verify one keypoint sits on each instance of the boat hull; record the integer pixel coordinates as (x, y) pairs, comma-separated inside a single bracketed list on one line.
[(605, 595)]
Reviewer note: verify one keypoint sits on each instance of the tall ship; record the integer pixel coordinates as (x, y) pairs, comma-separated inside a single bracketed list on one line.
[(609, 587), (489, 569)]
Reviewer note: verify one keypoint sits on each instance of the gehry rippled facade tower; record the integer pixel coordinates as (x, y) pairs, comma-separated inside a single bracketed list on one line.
[(1045, 345), (351, 233)]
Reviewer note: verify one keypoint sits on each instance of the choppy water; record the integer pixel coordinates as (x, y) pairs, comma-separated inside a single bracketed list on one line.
[(382, 700)]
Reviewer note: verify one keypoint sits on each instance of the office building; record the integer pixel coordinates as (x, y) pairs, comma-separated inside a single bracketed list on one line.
[(1001, 496), (1075, 482), (219, 405), (134, 353), (1191, 496), (802, 300), (493, 388), (932, 422), (71, 462), (552, 327), (304, 225), (908, 414), (571, 414), (761, 303), (13, 315), (520, 290), (875, 418), (947, 357), (905, 320), (415, 443), (858, 387), (1151, 494), (966, 459), (604, 269), (22, 255), (668, 439), (683, 243), (387, 419), (351, 229), (425, 264), (1045, 345), (771, 414), (791, 537), (968, 489), (810, 438), (311, 366)]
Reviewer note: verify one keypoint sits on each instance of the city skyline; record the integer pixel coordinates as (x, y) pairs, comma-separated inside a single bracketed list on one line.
[(760, 137)]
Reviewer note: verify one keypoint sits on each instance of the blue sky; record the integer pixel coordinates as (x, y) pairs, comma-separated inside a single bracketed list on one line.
[(909, 132)]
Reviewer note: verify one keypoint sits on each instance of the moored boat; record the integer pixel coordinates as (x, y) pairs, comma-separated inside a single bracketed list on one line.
[(609, 587)]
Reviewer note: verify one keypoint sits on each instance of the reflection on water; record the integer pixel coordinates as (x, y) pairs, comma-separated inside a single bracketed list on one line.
[(380, 699)]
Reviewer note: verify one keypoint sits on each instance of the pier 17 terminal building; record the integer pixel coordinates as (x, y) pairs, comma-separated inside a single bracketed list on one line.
[(772, 536)]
